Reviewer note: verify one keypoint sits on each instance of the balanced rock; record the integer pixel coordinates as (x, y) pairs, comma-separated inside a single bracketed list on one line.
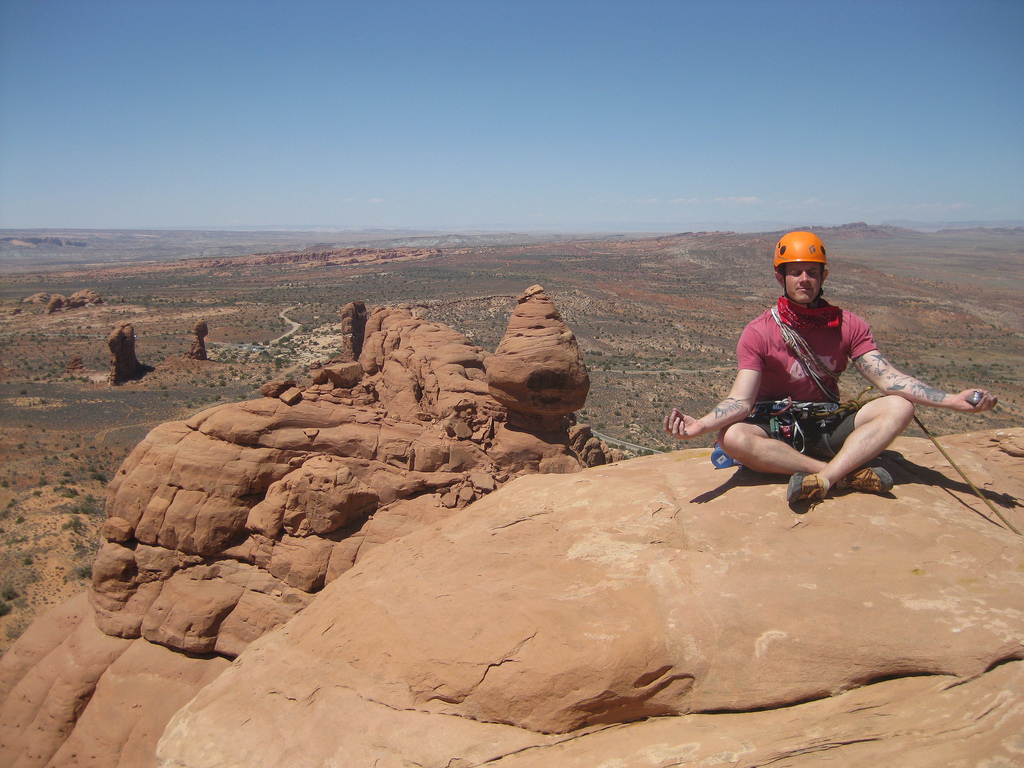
[(198, 349), (538, 370)]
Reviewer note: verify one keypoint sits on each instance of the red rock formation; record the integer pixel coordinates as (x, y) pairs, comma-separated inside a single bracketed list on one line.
[(538, 372), (872, 631), (198, 349), (655, 587), (124, 365), (56, 302), (287, 485), (82, 298), (353, 329), (75, 365)]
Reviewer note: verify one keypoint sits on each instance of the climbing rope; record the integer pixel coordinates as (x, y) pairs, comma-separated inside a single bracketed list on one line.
[(973, 487)]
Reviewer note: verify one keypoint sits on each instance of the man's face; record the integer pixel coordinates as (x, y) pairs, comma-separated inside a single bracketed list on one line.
[(801, 280)]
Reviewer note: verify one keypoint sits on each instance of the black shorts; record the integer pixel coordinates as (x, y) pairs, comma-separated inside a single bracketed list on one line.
[(817, 436)]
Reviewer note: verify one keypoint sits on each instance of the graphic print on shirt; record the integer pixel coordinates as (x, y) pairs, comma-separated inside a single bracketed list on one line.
[(798, 373)]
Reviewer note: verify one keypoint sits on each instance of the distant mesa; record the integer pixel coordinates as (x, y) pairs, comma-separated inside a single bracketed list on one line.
[(315, 257), (35, 242)]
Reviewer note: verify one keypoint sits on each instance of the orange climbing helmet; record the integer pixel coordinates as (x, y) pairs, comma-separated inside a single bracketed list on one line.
[(799, 246)]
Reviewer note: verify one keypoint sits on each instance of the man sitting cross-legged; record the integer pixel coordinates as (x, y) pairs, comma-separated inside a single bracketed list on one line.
[(782, 414)]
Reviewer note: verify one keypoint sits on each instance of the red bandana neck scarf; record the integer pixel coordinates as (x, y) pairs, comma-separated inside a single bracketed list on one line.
[(795, 316)]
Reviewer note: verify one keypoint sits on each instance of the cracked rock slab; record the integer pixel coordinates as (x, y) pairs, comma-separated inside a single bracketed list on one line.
[(653, 612)]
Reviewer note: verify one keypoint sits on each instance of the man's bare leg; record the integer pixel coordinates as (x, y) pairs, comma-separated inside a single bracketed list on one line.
[(876, 425), (754, 449)]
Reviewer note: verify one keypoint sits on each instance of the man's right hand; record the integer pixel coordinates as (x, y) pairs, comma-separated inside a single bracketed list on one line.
[(681, 426)]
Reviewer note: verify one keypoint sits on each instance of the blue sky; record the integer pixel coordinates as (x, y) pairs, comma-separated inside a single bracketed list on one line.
[(509, 115)]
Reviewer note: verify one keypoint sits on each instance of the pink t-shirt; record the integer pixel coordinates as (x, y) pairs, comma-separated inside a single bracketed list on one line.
[(761, 348)]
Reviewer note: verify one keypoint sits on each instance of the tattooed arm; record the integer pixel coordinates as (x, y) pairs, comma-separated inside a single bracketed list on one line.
[(734, 408), (886, 378)]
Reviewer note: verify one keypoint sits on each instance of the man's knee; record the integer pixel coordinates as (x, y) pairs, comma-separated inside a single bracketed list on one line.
[(898, 409), (736, 439), (895, 410)]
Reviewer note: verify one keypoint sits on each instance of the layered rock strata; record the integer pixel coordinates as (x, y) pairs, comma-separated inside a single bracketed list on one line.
[(221, 527)]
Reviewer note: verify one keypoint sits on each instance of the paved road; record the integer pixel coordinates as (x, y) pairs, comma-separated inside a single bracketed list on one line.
[(255, 345), (614, 441), (664, 370), (295, 326)]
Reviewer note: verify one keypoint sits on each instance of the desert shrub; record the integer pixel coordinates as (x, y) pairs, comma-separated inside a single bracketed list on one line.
[(82, 572), (75, 525), (5, 608), (9, 592)]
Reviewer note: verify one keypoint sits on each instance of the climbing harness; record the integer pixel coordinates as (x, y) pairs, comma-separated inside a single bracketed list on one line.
[(798, 423)]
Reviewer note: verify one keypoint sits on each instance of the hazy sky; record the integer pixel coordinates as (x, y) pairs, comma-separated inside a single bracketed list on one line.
[(509, 115)]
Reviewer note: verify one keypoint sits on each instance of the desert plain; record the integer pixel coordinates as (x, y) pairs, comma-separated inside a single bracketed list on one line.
[(656, 317)]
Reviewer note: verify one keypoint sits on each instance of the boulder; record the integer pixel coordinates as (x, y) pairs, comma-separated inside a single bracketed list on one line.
[(538, 369), (84, 297), (75, 365), (54, 303)]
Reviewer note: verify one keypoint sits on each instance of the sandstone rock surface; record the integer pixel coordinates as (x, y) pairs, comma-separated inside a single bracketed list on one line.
[(871, 630)]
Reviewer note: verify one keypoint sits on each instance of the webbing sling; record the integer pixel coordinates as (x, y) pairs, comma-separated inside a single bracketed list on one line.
[(814, 365)]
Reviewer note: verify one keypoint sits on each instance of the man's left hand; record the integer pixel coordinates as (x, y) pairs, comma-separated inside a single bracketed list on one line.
[(965, 401)]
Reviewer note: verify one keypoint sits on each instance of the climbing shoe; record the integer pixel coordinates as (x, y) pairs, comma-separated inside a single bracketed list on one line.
[(809, 488), (868, 479)]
